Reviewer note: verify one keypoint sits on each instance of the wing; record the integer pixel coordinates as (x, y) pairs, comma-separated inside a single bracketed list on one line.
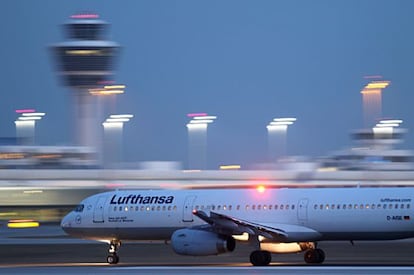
[(227, 225)]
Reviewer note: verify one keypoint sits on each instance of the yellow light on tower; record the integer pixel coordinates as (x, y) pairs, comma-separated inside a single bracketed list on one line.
[(372, 100), (108, 90)]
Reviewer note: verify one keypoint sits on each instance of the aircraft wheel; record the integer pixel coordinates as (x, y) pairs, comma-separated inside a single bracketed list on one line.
[(314, 256), (112, 259), (321, 255), (260, 258)]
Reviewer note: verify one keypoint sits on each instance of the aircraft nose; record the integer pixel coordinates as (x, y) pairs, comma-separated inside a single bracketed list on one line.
[(66, 221)]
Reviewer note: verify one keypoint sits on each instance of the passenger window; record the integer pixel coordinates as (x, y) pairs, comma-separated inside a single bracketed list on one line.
[(230, 207), (287, 207), (259, 207), (79, 208), (293, 207), (270, 207), (238, 207), (281, 207)]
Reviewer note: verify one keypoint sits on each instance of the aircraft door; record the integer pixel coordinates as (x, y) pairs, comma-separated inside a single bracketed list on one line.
[(98, 212), (188, 209), (303, 210)]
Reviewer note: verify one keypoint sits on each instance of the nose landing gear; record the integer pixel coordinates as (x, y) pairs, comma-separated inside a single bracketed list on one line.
[(113, 257)]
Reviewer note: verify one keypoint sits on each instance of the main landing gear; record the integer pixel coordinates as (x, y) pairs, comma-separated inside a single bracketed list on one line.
[(113, 258), (260, 258), (314, 256), (263, 258)]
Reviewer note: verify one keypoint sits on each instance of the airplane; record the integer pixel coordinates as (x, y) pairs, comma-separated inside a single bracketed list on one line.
[(201, 222)]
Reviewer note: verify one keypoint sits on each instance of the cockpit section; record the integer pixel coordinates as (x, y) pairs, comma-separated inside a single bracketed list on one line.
[(79, 208)]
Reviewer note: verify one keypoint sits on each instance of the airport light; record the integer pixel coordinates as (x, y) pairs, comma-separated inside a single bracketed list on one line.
[(108, 90), (386, 126), (113, 131), (200, 120), (25, 124), (277, 133), (117, 120), (372, 99), (197, 139), (230, 167)]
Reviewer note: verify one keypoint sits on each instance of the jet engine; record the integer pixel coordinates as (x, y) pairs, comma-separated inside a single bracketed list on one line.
[(195, 242)]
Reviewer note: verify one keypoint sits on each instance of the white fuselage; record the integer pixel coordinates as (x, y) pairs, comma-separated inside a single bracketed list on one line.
[(306, 214)]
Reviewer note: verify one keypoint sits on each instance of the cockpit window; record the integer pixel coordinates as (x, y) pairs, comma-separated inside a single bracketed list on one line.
[(79, 208)]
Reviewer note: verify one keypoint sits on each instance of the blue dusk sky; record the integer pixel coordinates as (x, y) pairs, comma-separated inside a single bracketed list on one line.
[(246, 62)]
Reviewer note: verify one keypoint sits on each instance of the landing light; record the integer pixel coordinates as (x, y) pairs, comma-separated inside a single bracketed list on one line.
[(242, 237), (260, 188)]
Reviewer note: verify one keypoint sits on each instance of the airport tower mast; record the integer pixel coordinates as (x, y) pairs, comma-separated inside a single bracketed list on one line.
[(84, 62)]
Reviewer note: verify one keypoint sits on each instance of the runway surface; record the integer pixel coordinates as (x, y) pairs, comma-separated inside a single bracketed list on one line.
[(49, 251)]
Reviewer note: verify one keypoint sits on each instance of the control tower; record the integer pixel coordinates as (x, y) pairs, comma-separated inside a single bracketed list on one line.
[(84, 62)]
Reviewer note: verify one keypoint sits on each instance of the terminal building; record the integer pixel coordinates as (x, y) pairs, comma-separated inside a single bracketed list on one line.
[(47, 157)]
